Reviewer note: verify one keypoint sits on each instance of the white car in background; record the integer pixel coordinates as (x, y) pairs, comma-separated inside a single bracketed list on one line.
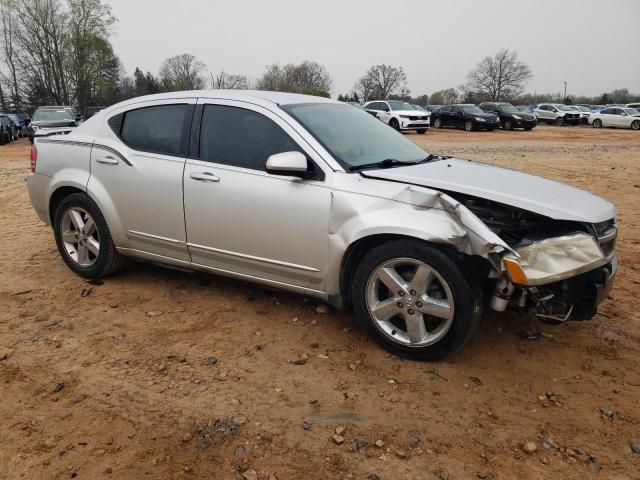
[(635, 105), (621, 117), (557, 114), (399, 115), (585, 113)]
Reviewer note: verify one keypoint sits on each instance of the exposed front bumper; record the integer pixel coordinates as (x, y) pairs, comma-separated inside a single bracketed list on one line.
[(414, 124)]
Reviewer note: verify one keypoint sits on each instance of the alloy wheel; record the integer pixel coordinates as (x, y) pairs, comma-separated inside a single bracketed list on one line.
[(410, 302), (468, 126), (597, 123), (80, 236), (636, 125)]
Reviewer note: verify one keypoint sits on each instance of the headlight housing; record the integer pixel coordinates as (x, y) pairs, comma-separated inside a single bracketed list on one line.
[(480, 119), (405, 116), (554, 259), (517, 117)]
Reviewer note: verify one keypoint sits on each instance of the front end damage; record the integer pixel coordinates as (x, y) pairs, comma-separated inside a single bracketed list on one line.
[(556, 270)]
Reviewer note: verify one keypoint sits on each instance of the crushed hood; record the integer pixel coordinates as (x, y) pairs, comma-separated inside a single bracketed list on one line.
[(510, 187)]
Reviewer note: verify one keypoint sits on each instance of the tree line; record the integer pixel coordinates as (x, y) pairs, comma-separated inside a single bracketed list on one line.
[(59, 52)]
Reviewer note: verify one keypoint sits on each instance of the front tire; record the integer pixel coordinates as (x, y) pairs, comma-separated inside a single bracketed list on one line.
[(393, 123), (414, 300), (635, 125), (437, 123), (559, 121), (83, 238), (507, 125), (468, 126)]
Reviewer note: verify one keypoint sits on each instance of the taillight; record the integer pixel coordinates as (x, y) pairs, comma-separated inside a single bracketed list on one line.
[(34, 157)]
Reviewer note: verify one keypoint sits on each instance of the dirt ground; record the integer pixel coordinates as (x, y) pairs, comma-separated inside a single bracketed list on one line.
[(166, 375)]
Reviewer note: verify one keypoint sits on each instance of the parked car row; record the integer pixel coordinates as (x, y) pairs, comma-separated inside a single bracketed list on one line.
[(46, 121), (622, 115)]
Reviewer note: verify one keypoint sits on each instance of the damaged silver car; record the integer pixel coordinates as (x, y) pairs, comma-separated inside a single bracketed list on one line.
[(318, 197)]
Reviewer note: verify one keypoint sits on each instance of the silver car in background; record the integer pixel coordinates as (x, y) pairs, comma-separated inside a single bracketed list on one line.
[(318, 197)]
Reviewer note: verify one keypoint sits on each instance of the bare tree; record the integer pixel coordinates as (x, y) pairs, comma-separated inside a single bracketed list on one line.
[(182, 72), (226, 81), (9, 79), (498, 77), (306, 77), (444, 97), (41, 41), (380, 81)]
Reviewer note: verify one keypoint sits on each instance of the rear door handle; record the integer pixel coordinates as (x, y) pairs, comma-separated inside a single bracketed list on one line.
[(204, 177), (108, 160)]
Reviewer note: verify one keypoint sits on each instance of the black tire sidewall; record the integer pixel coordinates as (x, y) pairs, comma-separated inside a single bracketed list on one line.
[(635, 125), (106, 244), (467, 301)]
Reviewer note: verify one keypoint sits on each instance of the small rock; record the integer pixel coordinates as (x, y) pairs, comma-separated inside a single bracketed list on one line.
[(404, 455), (250, 474), (379, 443), (414, 440), (154, 313), (373, 476), (340, 430), (315, 345), (529, 447), (338, 439), (635, 447), (300, 361), (322, 308), (186, 437), (239, 419), (352, 366), (86, 292), (306, 425), (114, 305), (59, 385)]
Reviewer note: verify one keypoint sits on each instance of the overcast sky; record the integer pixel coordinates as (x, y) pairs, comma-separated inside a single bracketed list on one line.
[(592, 44)]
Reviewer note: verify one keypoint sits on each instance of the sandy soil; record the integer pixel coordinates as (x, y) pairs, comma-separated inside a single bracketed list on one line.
[(167, 375)]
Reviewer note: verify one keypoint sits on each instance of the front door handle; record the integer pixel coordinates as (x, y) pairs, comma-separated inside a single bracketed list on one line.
[(108, 160), (204, 176)]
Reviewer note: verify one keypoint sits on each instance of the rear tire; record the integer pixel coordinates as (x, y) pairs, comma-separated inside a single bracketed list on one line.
[(399, 320), (559, 121), (83, 238), (597, 123)]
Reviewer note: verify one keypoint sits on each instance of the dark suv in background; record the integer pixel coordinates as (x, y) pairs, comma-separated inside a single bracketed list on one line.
[(510, 116), (465, 116)]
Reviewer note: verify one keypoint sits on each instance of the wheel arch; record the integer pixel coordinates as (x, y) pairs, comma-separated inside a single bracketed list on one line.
[(58, 195), (473, 267)]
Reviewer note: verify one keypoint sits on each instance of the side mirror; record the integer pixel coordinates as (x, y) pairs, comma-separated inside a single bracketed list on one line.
[(292, 164)]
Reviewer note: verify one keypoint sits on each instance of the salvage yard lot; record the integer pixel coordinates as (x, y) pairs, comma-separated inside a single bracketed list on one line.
[(169, 375)]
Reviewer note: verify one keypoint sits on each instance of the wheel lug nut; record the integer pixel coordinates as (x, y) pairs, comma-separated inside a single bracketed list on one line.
[(419, 304), (401, 293), (413, 293), (400, 305), (410, 311)]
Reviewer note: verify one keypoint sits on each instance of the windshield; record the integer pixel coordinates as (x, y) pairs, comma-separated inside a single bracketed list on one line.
[(583, 109), (472, 109), (397, 105), (51, 115), (564, 108), (352, 136), (508, 108), (632, 111)]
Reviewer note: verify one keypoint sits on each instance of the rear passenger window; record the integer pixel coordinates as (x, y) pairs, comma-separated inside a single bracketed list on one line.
[(240, 137), (159, 129)]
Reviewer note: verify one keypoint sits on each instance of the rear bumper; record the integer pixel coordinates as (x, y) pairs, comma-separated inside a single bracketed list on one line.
[(37, 185)]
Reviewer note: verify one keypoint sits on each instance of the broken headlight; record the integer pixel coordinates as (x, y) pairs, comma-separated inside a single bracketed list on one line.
[(554, 259)]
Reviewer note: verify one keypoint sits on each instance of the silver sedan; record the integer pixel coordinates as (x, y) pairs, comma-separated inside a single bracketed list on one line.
[(317, 197)]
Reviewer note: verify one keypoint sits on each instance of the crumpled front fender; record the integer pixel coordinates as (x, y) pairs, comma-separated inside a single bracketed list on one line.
[(410, 211)]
